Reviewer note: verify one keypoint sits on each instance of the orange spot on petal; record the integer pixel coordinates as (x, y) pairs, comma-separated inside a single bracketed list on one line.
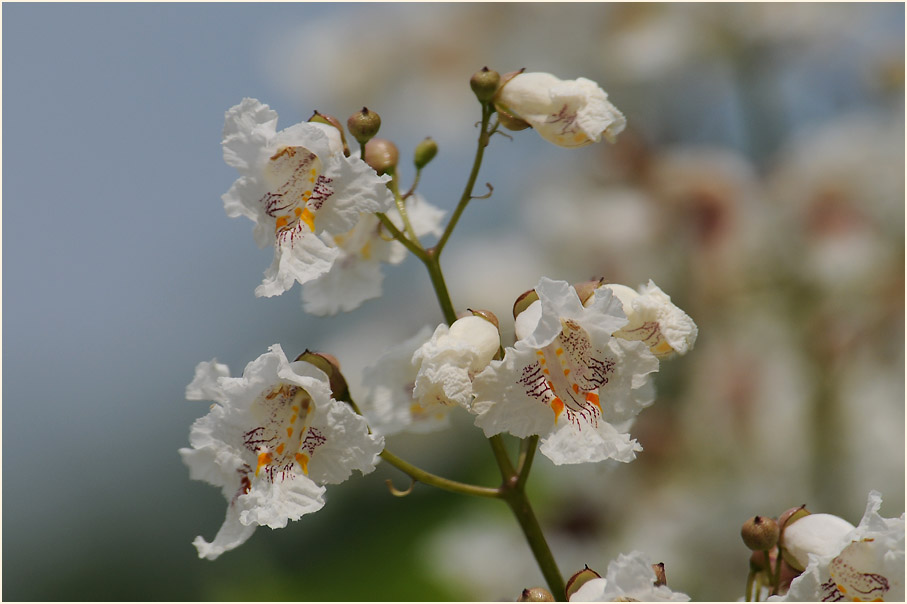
[(592, 397), (290, 431), (280, 448), (557, 405), (303, 462), (264, 458)]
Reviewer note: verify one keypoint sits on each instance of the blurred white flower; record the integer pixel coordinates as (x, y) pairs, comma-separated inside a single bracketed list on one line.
[(356, 274), (568, 113), (271, 441), (295, 185), (629, 578), (865, 564), (566, 379)]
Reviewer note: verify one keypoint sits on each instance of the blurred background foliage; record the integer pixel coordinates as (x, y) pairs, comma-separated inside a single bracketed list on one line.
[(760, 183)]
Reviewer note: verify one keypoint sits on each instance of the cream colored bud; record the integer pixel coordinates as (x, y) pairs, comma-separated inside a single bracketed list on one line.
[(819, 534), (382, 155)]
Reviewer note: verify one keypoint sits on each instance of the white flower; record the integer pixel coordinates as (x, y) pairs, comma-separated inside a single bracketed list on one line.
[(629, 578), (568, 113), (864, 564), (356, 274), (295, 185), (271, 441), (654, 320), (450, 360), (567, 380), (819, 534)]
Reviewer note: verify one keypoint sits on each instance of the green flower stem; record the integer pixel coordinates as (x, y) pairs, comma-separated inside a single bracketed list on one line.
[(412, 246), (750, 582), (437, 281), (500, 454), (524, 463), (421, 475), (484, 134), (401, 206), (412, 189), (519, 503)]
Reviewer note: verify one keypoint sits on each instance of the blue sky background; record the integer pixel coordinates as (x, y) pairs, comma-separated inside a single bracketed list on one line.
[(121, 272)]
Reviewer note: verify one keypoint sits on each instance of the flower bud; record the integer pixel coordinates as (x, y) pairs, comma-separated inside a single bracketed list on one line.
[(579, 579), (425, 152), (331, 366), (381, 155), (536, 594), (484, 84), (760, 533), (792, 515), (364, 125), (330, 120)]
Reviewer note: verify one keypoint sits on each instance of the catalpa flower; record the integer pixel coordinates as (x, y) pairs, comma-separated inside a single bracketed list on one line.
[(568, 380), (356, 275), (654, 320), (568, 113), (298, 189), (865, 564), (630, 578), (272, 440)]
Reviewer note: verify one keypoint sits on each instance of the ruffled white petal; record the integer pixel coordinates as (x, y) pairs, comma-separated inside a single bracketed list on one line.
[(300, 261), (231, 535), (204, 385), (632, 576)]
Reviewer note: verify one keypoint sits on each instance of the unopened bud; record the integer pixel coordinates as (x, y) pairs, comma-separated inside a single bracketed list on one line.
[(381, 155), (660, 577), (536, 594), (324, 118), (331, 366), (425, 152), (484, 84), (364, 125), (579, 579), (760, 533)]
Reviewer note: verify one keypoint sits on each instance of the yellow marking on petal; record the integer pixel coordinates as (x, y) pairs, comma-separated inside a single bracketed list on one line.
[(295, 408), (575, 386), (281, 222), (592, 397), (293, 418), (303, 462), (662, 347), (557, 405), (308, 218), (566, 373), (264, 458), (289, 431), (283, 151), (579, 137), (280, 448), (545, 371), (540, 353), (366, 251), (306, 195), (559, 351)]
